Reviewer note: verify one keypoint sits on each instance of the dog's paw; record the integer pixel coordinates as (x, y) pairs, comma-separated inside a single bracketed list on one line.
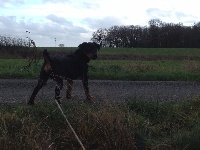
[(59, 102), (30, 103), (90, 99), (58, 99), (68, 96)]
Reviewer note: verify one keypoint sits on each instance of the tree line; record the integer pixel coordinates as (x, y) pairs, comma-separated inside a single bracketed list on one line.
[(15, 46), (157, 34), (9, 42)]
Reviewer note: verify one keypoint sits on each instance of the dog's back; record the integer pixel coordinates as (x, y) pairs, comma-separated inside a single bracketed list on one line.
[(70, 66)]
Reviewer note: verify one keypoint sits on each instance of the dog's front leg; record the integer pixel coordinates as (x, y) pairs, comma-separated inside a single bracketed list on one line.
[(69, 88), (86, 88), (57, 94), (59, 86)]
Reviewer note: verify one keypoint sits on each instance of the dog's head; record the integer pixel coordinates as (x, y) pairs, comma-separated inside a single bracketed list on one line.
[(89, 50)]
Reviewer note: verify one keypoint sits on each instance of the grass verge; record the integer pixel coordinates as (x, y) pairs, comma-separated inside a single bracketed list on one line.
[(135, 124), (168, 70), (134, 51)]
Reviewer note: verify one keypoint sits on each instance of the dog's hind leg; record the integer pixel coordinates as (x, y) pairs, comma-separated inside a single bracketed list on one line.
[(40, 84), (44, 76), (69, 89)]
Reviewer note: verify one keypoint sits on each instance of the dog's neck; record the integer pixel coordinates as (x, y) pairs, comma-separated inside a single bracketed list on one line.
[(83, 58)]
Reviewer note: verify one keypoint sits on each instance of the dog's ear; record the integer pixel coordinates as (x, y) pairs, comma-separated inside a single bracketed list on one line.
[(82, 49), (83, 45)]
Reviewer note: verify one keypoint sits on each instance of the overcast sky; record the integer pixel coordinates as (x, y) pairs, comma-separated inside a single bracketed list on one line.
[(72, 22)]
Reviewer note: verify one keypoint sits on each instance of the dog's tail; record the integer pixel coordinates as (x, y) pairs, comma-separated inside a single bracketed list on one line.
[(46, 56)]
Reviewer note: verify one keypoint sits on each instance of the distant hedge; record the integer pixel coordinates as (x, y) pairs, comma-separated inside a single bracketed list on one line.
[(16, 47)]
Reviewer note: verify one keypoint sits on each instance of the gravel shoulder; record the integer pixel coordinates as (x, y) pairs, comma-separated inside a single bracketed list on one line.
[(19, 90)]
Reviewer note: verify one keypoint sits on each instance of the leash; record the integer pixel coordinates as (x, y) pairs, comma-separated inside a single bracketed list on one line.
[(70, 125)]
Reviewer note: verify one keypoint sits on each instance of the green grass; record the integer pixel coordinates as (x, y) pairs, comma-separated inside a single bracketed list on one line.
[(165, 70), (14, 68), (130, 125), (145, 70), (153, 51)]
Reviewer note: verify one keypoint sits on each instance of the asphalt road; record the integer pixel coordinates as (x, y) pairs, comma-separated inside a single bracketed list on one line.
[(19, 90)]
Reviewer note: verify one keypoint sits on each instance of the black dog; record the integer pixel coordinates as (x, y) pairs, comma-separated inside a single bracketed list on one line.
[(69, 67)]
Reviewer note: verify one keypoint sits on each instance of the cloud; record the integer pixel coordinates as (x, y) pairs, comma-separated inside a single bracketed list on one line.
[(55, 1), (171, 16), (180, 15), (44, 33), (60, 24), (157, 13), (58, 20), (90, 5), (105, 22), (8, 24), (11, 2), (187, 19), (64, 31), (74, 21)]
